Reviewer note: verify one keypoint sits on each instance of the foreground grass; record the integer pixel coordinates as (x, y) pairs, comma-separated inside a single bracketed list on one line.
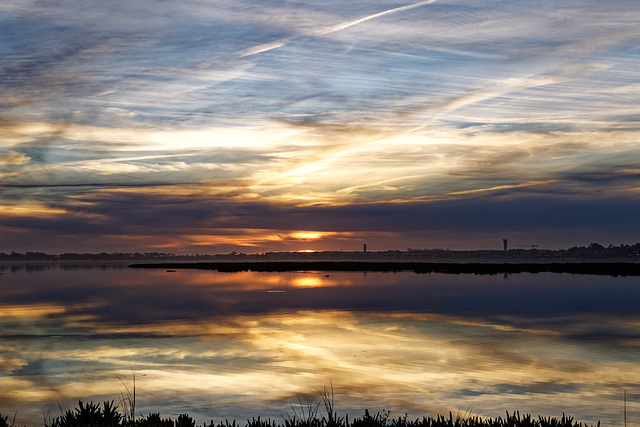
[(108, 415)]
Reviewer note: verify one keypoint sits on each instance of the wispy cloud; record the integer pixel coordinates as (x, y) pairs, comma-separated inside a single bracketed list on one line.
[(317, 104), (330, 30), (9, 158)]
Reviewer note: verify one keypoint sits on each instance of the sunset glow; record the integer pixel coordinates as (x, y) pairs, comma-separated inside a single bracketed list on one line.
[(240, 126), (307, 235), (428, 206)]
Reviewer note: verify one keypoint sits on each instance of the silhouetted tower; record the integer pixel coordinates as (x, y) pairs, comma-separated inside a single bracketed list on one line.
[(504, 242), (364, 248)]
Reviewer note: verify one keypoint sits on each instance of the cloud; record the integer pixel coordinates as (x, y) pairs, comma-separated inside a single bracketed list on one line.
[(11, 158), (330, 30), (11, 163), (197, 222), (421, 103)]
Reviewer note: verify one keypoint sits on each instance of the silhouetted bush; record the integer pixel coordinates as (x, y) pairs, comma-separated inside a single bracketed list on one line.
[(92, 415)]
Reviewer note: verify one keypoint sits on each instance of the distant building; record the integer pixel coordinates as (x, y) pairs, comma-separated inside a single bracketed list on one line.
[(364, 248), (504, 242)]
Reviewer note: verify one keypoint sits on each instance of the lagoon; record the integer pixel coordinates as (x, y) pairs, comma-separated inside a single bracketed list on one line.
[(237, 345)]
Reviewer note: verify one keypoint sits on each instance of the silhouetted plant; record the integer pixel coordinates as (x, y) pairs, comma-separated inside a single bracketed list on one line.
[(224, 423), (93, 415), (401, 422), (257, 422), (310, 419), (185, 420), (154, 420), (128, 399), (89, 415), (332, 419), (367, 420)]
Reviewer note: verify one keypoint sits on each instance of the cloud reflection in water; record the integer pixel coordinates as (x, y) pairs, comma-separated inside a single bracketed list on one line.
[(220, 345)]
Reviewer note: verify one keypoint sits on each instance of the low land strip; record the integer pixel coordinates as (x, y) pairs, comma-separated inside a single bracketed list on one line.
[(596, 268)]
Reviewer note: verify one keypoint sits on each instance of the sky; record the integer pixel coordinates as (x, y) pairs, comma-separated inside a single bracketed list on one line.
[(207, 126)]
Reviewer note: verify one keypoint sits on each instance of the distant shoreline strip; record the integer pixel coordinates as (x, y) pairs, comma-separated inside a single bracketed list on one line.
[(593, 268)]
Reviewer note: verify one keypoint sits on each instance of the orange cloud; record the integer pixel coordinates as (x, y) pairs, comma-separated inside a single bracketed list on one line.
[(31, 210), (35, 310)]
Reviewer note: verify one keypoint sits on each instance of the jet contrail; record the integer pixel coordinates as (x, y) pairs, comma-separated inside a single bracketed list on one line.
[(349, 24), (329, 30)]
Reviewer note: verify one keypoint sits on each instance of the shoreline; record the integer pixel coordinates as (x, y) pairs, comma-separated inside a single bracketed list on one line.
[(611, 268)]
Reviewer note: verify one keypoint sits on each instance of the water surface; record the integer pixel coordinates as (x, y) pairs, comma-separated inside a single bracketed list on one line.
[(237, 345)]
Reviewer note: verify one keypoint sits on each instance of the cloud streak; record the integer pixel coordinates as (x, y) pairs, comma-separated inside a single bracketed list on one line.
[(266, 47), (315, 106)]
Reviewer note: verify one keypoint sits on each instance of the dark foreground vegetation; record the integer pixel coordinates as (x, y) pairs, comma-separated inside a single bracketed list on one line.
[(108, 415), (599, 268)]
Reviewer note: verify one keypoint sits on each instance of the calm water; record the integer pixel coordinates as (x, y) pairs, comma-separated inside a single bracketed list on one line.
[(237, 345)]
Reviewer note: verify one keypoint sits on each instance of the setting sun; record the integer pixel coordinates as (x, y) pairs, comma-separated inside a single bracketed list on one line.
[(308, 235)]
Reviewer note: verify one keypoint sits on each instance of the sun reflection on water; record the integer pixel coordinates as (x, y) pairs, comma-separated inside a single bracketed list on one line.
[(221, 346)]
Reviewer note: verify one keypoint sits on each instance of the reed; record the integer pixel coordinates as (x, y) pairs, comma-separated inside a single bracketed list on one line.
[(107, 415), (128, 398), (307, 415)]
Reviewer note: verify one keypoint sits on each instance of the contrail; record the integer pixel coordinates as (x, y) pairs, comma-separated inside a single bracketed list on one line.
[(329, 30), (349, 24), (263, 48)]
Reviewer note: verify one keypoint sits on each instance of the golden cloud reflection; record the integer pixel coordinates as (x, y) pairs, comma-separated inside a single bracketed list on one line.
[(27, 311), (418, 364), (237, 345), (239, 281), (308, 282)]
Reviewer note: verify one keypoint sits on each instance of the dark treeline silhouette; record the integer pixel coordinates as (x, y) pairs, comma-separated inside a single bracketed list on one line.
[(594, 250), (102, 256), (614, 269)]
